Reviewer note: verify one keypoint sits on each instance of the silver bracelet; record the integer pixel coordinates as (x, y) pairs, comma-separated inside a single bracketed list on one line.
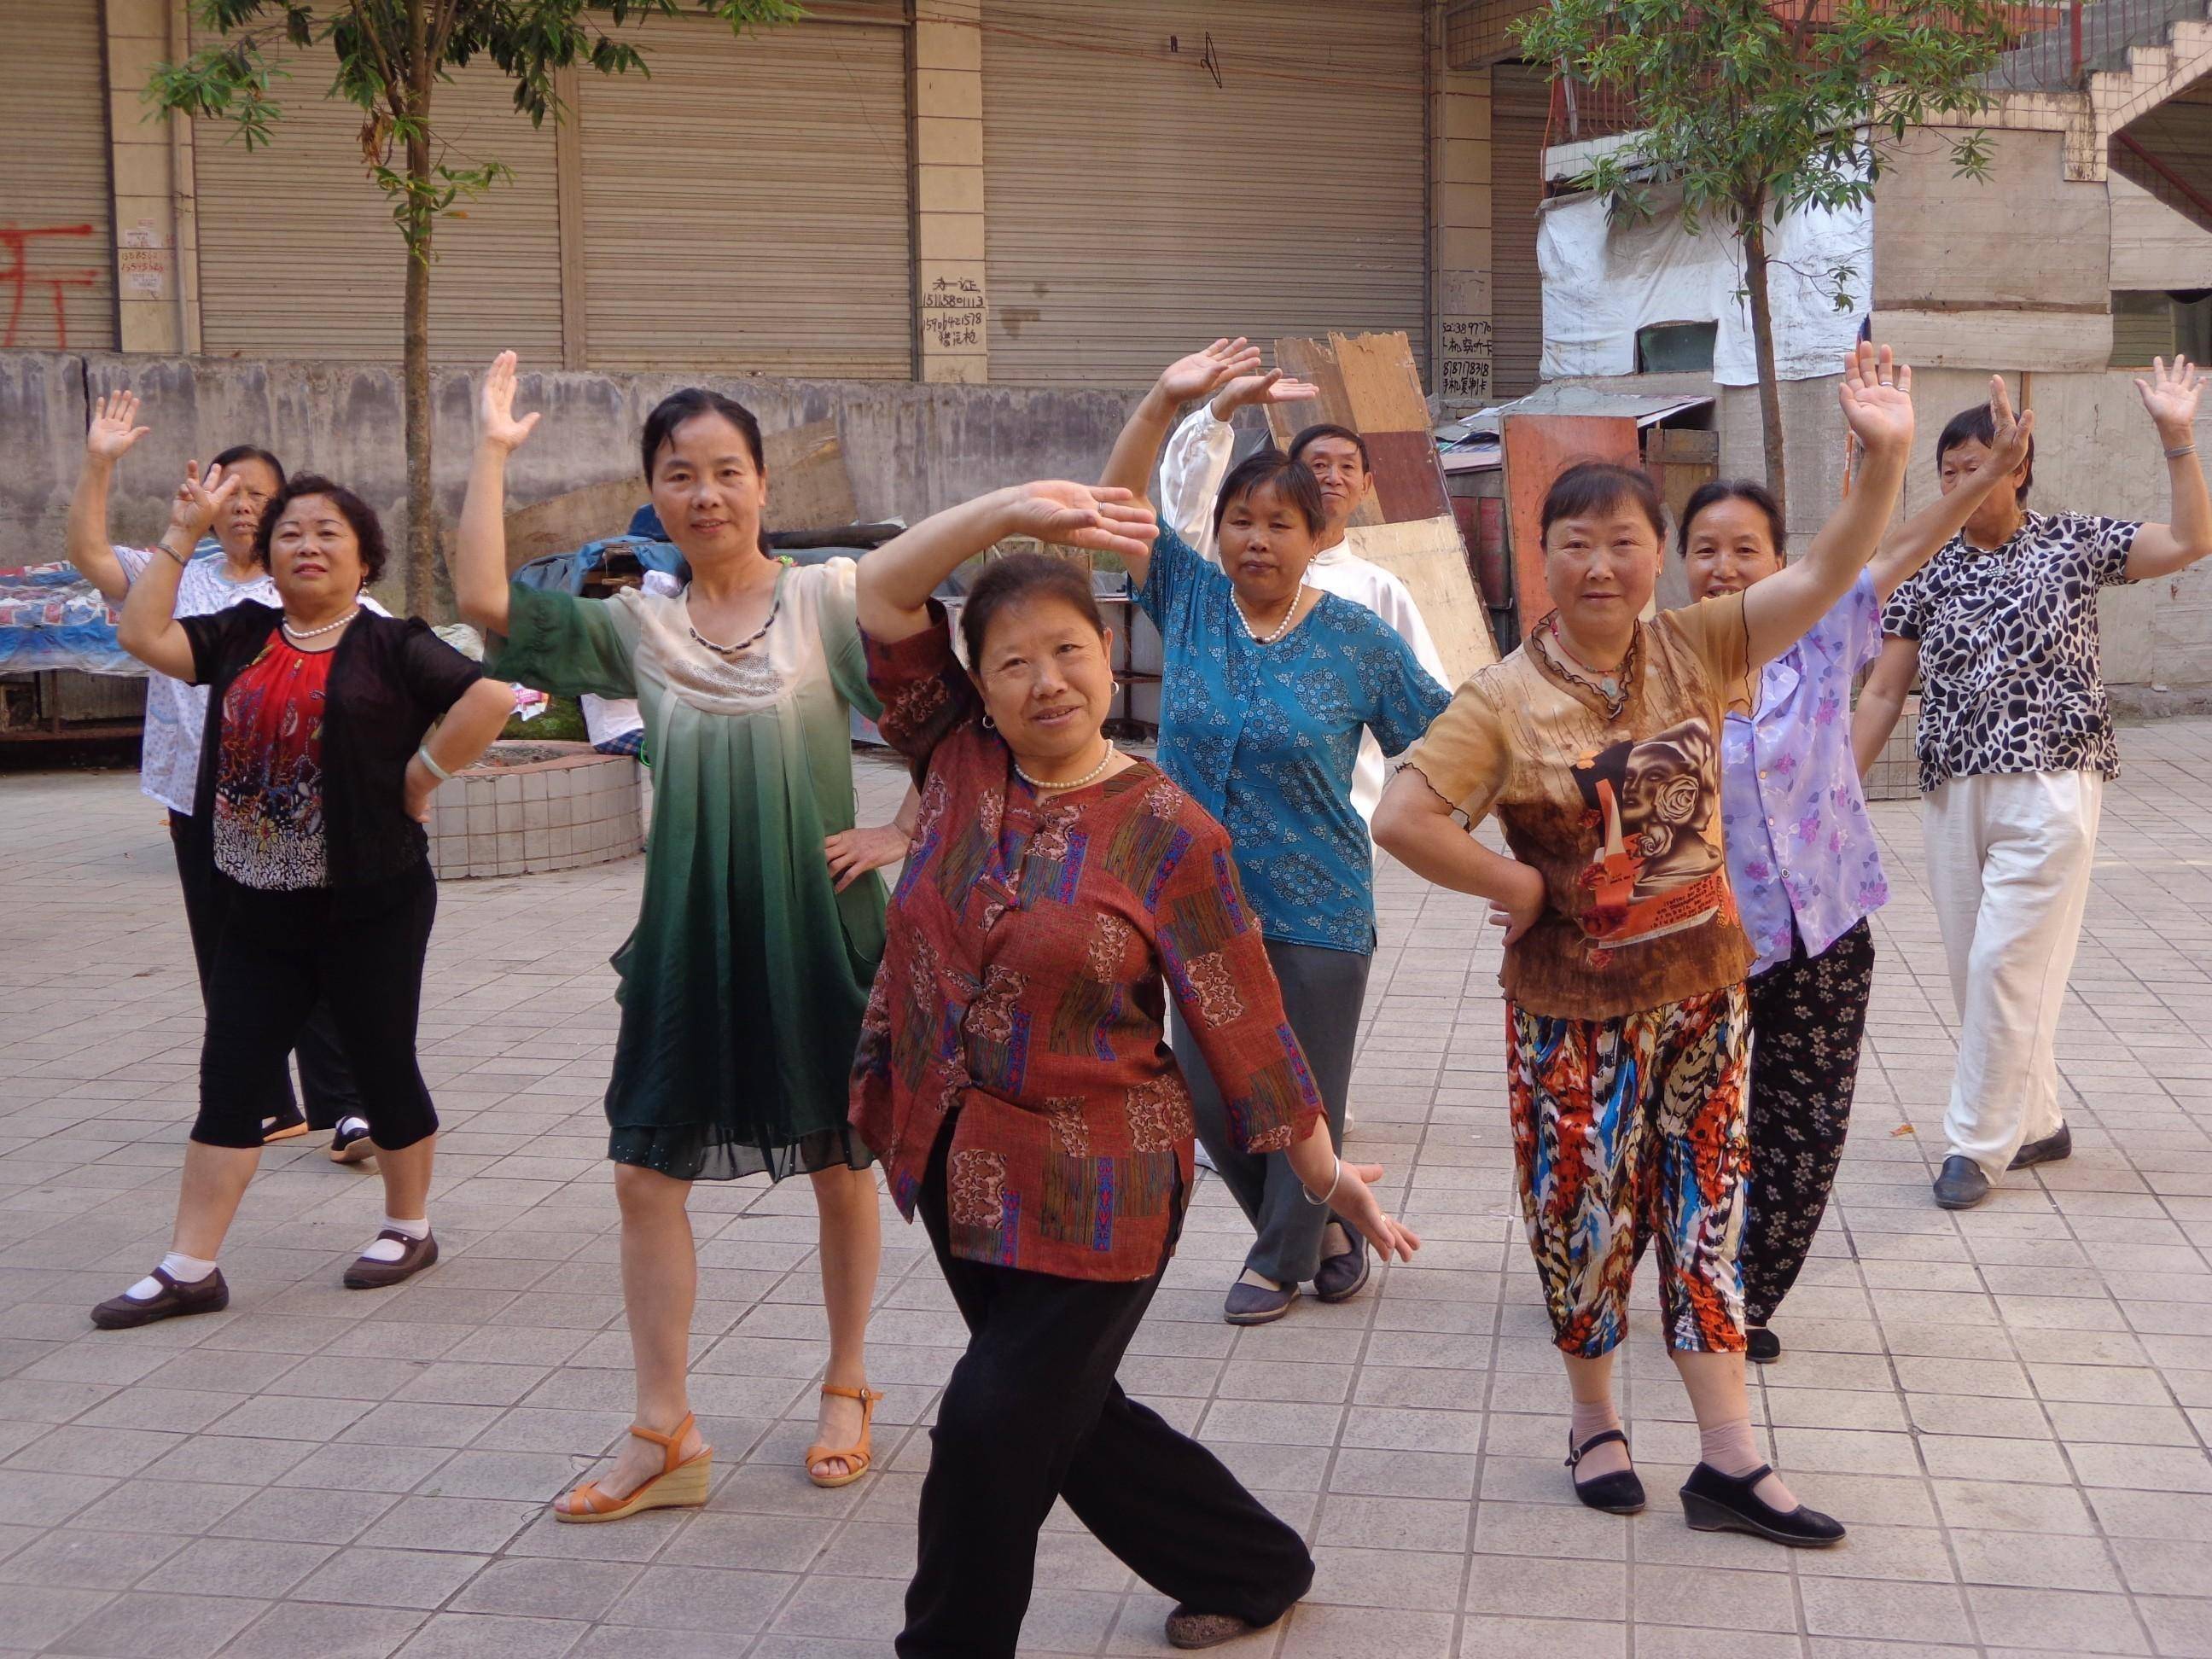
[(2181, 452), (1322, 1202), (436, 770)]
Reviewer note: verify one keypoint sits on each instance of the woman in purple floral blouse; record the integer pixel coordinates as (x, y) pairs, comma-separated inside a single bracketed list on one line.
[(1802, 856)]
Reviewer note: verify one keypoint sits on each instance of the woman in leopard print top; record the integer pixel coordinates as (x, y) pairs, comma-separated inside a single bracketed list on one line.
[(2014, 743)]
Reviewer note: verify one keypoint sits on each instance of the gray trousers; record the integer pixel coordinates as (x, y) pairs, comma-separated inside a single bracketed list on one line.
[(1323, 991)]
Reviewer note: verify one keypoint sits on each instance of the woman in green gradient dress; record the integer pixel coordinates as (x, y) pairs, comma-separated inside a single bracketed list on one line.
[(743, 984)]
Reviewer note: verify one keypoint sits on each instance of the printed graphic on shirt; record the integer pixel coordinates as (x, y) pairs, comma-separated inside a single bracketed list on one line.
[(1660, 868), (269, 777)]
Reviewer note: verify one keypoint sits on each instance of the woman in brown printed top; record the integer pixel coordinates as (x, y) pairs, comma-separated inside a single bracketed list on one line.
[(1597, 744)]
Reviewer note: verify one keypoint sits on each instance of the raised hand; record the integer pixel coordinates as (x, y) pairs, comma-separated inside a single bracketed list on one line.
[(2008, 447), (1877, 394), (202, 495), (496, 424), (1247, 390), (1106, 520), (2171, 396), (1204, 372), (113, 427)]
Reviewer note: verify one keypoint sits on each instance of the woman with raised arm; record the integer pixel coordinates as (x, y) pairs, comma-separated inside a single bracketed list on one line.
[(223, 571), (2015, 742), (318, 775), (1802, 857), (743, 984), (1270, 685), (1597, 742), (1011, 1071)]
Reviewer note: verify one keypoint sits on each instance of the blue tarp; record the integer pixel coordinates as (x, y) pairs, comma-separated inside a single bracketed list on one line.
[(52, 618)]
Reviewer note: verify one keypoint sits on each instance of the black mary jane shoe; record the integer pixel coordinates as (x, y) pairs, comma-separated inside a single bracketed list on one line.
[(1620, 1492), (1713, 1502), (1760, 1346)]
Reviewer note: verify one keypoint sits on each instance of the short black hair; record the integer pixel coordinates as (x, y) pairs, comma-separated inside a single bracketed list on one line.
[(1589, 487), (1266, 468), (1733, 489), (1330, 429), (1016, 580), (1977, 426), (238, 452), (357, 513)]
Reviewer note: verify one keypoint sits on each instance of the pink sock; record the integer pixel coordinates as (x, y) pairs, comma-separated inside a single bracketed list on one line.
[(1733, 1449), (1587, 1418)]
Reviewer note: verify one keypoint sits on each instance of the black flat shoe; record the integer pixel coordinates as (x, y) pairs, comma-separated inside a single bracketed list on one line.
[(1620, 1492), (1960, 1185), (1343, 1276), (173, 1301), (1761, 1346), (2049, 1149), (1188, 1629), (1713, 1502)]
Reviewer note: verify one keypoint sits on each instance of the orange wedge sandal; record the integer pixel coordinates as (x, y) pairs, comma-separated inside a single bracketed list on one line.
[(855, 1457), (678, 1485)]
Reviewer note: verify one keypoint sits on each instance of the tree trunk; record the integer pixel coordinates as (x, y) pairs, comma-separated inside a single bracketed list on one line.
[(422, 507), (1754, 234)]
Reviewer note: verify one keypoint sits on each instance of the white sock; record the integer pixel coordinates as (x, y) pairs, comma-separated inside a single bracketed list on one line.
[(185, 1269), (390, 1250), (353, 1126)]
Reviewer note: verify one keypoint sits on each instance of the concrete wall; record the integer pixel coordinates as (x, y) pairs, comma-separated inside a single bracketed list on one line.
[(911, 449)]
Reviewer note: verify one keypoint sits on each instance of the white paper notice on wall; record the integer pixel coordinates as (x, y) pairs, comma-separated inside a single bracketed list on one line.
[(142, 261), (1603, 282)]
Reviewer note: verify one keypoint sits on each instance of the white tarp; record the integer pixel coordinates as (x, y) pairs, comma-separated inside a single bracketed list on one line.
[(1603, 282)]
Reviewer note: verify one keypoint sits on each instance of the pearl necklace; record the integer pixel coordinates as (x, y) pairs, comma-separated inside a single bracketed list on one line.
[(1091, 776), (292, 633), (1281, 628)]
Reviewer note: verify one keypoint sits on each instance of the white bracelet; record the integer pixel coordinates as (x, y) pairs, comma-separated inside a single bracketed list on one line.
[(1322, 1202), (436, 770)]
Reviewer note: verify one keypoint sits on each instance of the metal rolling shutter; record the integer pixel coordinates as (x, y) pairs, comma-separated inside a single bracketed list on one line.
[(1520, 103), (57, 241), (1135, 210), (299, 256), (746, 207)]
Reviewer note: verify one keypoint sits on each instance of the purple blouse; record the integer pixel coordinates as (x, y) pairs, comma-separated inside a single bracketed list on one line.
[(1799, 841)]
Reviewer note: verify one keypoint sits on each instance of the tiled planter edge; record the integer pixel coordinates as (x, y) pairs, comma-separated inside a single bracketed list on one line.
[(574, 808)]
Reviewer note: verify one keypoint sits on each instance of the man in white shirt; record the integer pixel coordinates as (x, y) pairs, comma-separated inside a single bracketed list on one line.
[(1191, 470)]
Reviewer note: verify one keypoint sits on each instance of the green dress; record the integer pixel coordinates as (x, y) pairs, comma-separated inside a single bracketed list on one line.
[(743, 984)]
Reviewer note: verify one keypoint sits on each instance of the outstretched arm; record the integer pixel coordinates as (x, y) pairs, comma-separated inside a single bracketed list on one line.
[(897, 579), (480, 546), (2171, 397), (112, 431), (148, 628), (1877, 399), (1135, 452), (1915, 541)]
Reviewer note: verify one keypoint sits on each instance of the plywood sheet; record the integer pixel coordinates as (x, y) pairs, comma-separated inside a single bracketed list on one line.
[(808, 487), (566, 522), (1428, 555), (1538, 448), (1316, 360)]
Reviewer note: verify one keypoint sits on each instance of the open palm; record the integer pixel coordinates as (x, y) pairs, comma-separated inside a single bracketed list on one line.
[(1092, 516), (1204, 372), (495, 419), (1877, 394), (1247, 390), (114, 428), (2172, 393)]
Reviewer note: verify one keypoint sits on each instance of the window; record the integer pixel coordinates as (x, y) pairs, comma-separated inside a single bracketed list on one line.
[(1664, 348), (2154, 324)]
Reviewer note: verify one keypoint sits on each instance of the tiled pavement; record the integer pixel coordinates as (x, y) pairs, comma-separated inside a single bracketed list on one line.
[(2009, 1407)]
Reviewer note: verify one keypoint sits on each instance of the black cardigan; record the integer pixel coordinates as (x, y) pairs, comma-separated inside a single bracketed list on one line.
[(390, 679)]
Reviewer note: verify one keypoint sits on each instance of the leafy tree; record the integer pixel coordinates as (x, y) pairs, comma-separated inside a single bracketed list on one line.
[(391, 57), (1751, 108)]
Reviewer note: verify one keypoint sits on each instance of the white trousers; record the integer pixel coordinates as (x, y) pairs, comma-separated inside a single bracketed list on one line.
[(2008, 863)]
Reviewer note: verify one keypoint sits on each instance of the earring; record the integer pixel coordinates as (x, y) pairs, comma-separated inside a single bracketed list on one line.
[(989, 724), (1113, 686)]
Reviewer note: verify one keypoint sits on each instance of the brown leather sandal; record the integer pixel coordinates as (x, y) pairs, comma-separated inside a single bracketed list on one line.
[(678, 1485), (855, 1457)]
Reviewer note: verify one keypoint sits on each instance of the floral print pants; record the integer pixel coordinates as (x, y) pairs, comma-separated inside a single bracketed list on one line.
[(1630, 1130), (1807, 1017)]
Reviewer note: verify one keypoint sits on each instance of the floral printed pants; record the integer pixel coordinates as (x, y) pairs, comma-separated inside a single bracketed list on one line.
[(1626, 1130), (1807, 1017)]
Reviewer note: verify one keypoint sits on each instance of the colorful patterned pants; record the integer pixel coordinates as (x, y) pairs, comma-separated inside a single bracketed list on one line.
[(1631, 1130)]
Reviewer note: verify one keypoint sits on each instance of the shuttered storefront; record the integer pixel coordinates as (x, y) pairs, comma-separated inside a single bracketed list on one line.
[(746, 207), (1136, 209), (299, 257), (56, 241), (1520, 102)]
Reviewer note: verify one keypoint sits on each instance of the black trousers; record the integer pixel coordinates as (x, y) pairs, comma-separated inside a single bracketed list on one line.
[(356, 950), (323, 1079), (1807, 1017), (1032, 1412)]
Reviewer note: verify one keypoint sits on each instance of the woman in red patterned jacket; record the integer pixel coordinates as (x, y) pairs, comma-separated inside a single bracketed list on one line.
[(1013, 1080)]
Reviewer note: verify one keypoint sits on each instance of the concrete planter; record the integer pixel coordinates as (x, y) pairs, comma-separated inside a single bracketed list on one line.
[(1895, 776), (527, 807)]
